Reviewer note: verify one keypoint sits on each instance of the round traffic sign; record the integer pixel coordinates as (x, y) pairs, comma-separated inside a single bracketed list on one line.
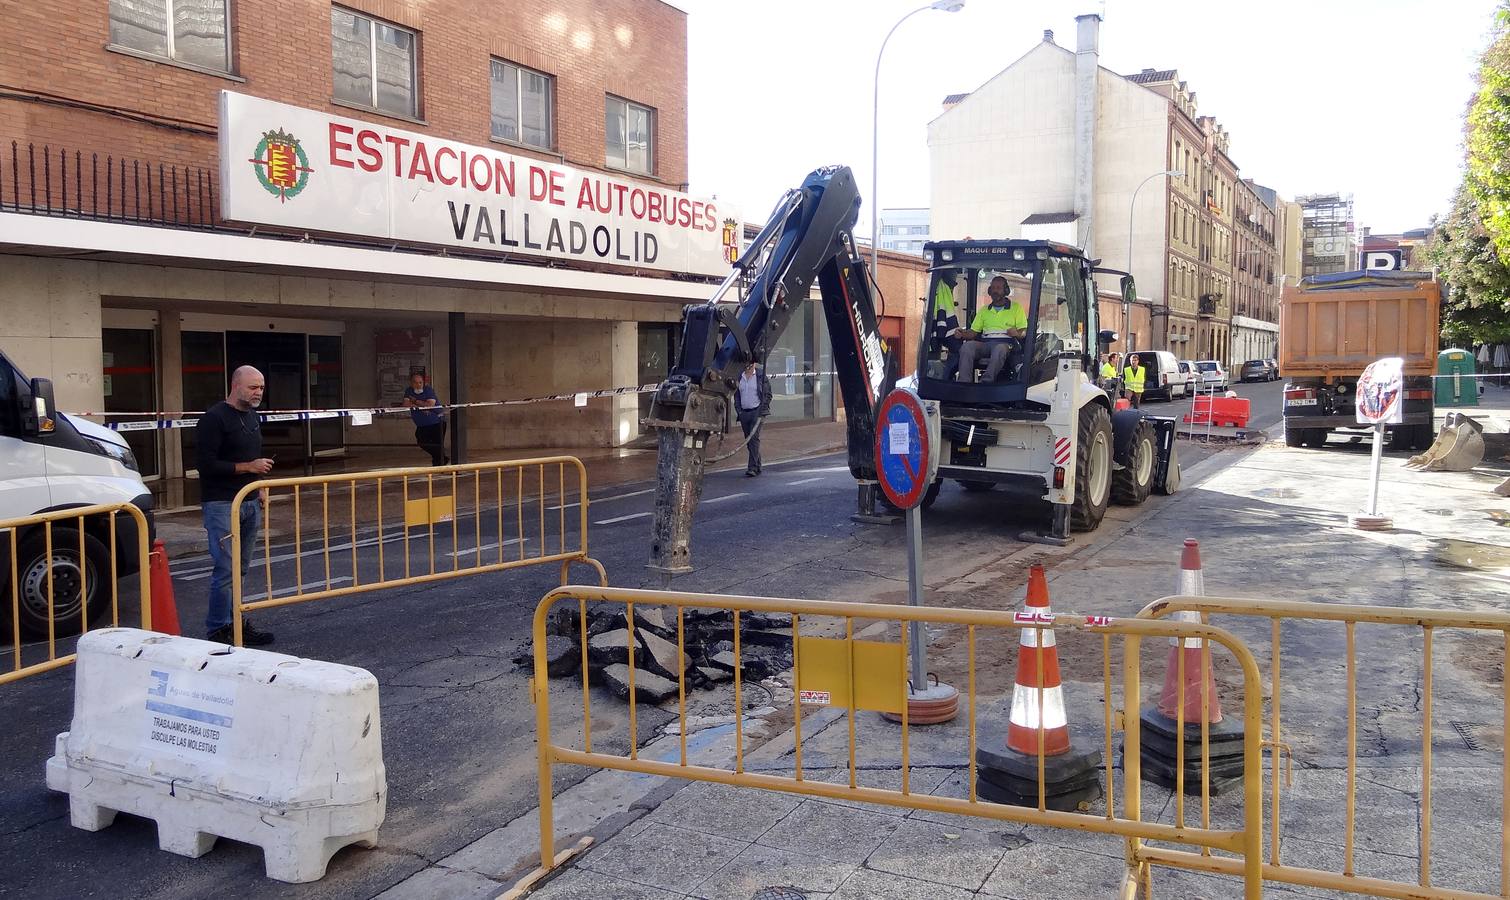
[(903, 454)]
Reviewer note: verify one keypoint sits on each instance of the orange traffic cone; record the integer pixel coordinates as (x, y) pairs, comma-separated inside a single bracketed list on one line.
[(1191, 584), (1161, 752), (1070, 780), (1037, 667), (164, 607)]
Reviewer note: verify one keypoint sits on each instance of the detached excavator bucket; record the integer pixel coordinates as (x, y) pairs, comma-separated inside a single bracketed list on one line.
[(1459, 447)]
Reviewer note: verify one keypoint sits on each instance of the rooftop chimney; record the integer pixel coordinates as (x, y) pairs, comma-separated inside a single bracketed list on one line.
[(1087, 50), (1048, 36)]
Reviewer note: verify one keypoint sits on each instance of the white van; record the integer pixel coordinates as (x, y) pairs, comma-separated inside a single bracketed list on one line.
[(1163, 379), (49, 461)]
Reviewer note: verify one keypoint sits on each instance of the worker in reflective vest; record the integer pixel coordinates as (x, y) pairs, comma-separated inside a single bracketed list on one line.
[(1109, 372), (1134, 376)]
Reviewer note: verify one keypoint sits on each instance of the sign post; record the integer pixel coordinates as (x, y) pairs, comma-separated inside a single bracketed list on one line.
[(1380, 402), (907, 463)]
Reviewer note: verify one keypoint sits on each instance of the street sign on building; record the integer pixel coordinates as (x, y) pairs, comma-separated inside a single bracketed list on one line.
[(300, 168)]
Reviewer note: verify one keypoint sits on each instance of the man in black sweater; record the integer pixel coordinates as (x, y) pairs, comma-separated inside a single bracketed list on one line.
[(229, 443)]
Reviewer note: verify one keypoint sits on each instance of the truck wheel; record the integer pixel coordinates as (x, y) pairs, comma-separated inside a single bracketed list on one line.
[(1422, 437), (977, 487), (1295, 437), (1316, 437), (1132, 482), (1093, 468), (68, 571), (1402, 437)]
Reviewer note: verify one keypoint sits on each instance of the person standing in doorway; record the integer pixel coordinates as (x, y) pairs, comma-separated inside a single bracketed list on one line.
[(228, 443), (1133, 378), (429, 420), (753, 403)]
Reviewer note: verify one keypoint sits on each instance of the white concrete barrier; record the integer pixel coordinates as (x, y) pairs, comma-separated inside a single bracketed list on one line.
[(213, 741)]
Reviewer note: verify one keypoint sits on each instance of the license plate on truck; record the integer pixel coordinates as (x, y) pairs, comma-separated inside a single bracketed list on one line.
[(1310, 401)]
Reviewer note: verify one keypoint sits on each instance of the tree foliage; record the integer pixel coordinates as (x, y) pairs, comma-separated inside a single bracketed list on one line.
[(1476, 308), (1470, 246), (1488, 136)]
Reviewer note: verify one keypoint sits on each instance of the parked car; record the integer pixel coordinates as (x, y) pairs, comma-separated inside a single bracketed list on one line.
[(1163, 380), (1191, 374), (1257, 370), (1213, 376)]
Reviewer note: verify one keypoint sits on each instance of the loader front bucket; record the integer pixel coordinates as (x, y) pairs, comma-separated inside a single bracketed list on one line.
[(1459, 447)]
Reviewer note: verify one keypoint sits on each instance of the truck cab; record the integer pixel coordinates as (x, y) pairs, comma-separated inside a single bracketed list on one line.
[(50, 461)]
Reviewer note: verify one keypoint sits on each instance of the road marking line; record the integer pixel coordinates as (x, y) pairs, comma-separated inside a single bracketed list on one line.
[(473, 551), (299, 590), (729, 497), (804, 481), (602, 499), (618, 519), (844, 468)]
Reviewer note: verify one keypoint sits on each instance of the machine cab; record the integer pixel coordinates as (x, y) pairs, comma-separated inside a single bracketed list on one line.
[(1049, 307)]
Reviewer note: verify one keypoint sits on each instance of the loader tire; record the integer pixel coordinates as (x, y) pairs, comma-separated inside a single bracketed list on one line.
[(1132, 482), (1093, 468)]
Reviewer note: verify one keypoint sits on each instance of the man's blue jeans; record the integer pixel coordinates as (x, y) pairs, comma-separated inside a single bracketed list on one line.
[(217, 525)]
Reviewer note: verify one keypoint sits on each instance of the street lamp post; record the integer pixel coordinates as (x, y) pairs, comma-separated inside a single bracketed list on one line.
[(875, 130), (1131, 209)]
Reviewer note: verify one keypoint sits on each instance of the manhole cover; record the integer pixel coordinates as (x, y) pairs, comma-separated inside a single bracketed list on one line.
[(780, 893)]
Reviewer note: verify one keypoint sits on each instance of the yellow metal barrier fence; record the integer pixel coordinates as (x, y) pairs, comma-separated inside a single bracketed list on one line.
[(1244, 842), (76, 559), (1426, 623), (457, 502)]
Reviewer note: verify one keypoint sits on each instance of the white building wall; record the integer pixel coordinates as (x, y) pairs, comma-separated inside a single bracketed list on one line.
[(1007, 151)]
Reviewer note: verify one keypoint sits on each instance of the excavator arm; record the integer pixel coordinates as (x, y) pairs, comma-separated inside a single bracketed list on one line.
[(808, 237)]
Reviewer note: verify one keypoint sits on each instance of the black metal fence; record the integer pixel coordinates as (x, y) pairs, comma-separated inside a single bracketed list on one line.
[(54, 182)]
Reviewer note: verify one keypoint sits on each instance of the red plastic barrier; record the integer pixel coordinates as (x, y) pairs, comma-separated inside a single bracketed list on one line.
[(1233, 411)]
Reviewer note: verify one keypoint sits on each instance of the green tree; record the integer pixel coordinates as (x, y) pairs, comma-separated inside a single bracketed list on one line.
[(1476, 308), (1488, 135)]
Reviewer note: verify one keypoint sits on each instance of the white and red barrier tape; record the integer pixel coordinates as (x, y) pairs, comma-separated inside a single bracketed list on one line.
[(164, 420)]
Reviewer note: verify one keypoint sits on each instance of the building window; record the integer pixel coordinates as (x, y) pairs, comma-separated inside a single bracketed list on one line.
[(192, 32), (522, 104), (630, 135), (373, 63)]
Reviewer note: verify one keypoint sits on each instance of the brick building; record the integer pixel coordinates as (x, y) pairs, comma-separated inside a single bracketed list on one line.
[(319, 189)]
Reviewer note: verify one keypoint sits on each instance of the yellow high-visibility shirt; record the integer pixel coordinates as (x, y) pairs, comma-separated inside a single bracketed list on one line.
[(1108, 370), (991, 322), (1134, 376)]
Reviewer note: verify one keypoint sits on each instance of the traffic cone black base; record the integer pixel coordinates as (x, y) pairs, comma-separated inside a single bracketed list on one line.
[(1160, 751), (1071, 801), (1069, 779)]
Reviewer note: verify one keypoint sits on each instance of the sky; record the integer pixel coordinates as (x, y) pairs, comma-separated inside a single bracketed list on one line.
[(1353, 96)]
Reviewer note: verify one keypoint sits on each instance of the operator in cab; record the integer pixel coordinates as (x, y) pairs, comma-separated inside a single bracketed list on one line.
[(997, 329)]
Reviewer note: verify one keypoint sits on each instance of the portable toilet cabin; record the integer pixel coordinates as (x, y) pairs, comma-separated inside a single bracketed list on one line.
[(1456, 385)]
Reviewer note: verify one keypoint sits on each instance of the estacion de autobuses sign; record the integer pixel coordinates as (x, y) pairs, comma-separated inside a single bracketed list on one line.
[(299, 168)]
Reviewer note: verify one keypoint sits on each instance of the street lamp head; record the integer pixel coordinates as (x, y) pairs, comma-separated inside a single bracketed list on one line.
[(1176, 173), (949, 5)]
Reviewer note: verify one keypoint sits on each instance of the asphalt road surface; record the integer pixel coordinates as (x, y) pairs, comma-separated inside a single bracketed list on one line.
[(456, 716)]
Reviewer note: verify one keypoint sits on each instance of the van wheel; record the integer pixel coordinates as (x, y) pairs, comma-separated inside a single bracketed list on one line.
[(68, 573), (1132, 482), (1093, 468)]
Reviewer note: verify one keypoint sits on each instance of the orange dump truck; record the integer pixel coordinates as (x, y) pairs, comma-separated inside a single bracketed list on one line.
[(1332, 327)]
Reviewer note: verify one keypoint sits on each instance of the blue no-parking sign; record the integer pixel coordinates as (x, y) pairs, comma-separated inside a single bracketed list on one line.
[(904, 455)]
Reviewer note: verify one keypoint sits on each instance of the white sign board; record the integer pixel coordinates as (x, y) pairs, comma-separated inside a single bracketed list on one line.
[(300, 168), (1380, 399)]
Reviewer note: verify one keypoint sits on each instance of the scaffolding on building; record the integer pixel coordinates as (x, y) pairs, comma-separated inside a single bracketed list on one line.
[(1328, 242)]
